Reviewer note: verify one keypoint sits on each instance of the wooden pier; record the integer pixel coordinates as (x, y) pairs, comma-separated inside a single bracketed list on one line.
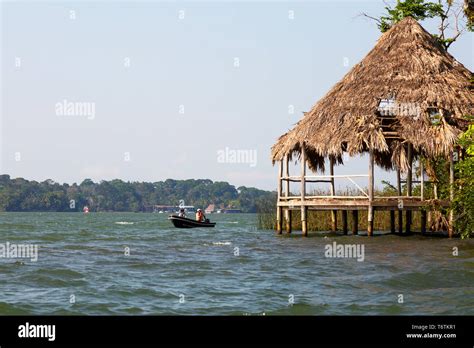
[(366, 201), (380, 108)]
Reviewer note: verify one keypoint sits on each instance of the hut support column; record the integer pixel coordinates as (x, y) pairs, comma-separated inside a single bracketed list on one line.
[(344, 221), (451, 195), (400, 212), (355, 221), (409, 186), (287, 194), (333, 192), (370, 215), (422, 194), (279, 189), (304, 209), (392, 221)]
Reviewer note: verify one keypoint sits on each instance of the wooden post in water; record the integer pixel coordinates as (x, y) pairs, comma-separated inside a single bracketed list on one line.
[(333, 192), (400, 212), (355, 222), (423, 221), (422, 194), (451, 195), (392, 221), (344, 221), (304, 209), (287, 194), (370, 215), (409, 186), (279, 189)]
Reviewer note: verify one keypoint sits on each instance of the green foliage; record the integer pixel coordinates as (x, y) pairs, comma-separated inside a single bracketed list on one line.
[(463, 204), (116, 195), (418, 9)]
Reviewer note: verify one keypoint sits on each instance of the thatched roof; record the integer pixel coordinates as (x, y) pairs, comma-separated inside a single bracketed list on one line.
[(408, 66)]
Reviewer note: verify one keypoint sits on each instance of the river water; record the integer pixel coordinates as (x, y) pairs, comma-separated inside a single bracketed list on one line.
[(138, 264)]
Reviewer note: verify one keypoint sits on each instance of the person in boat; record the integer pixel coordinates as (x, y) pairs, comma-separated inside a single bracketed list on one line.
[(200, 216), (182, 213)]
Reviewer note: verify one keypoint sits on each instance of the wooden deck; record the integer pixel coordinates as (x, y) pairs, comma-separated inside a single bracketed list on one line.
[(288, 201)]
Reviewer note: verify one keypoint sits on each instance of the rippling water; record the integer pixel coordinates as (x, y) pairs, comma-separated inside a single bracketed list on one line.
[(197, 271)]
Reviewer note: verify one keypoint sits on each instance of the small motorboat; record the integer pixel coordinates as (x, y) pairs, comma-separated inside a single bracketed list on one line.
[(182, 222)]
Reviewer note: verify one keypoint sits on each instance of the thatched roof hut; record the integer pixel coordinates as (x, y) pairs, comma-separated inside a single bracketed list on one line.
[(427, 92)]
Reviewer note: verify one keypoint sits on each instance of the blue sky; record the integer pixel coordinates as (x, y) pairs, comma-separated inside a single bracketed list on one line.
[(172, 84)]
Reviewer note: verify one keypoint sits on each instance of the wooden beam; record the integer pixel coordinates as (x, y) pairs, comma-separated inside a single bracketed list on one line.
[(287, 174), (422, 194), (370, 215), (408, 214), (288, 220), (355, 221), (279, 189), (287, 194), (423, 221), (422, 180), (304, 222), (400, 212), (333, 193)]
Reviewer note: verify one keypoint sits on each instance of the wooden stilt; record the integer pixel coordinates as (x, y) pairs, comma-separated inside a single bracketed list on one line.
[(422, 181), (408, 216), (400, 212), (333, 192), (287, 194), (355, 222), (279, 191), (423, 222), (451, 196), (370, 215), (288, 220), (392, 221), (344, 221), (304, 223), (279, 220)]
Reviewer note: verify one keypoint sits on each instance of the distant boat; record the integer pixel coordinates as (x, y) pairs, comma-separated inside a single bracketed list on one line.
[(182, 222)]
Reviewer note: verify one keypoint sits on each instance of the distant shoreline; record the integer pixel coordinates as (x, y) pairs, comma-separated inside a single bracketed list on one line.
[(21, 195)]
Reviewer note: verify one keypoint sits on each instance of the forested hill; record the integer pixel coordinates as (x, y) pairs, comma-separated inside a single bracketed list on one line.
[(117, 195)]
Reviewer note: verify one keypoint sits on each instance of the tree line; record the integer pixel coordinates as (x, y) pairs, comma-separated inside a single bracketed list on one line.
[(116, 195)]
